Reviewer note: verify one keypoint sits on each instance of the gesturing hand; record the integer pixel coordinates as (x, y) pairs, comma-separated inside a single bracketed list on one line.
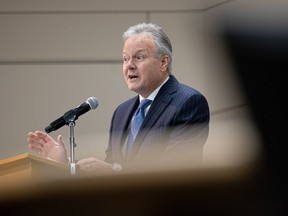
[(46, 146), (93, 165)]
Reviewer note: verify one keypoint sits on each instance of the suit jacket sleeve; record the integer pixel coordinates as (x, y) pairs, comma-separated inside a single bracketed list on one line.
[(189, 130)]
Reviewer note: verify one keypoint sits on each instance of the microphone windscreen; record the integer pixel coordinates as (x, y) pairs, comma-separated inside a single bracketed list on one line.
[(93, 102)]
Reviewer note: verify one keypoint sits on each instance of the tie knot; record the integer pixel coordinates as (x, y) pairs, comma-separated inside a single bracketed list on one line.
[(145, 103)]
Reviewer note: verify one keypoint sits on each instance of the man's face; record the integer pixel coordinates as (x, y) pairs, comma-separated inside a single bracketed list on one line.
[(143, 71)]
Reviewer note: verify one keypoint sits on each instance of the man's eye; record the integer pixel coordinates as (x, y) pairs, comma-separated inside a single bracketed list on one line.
[(139, 57)]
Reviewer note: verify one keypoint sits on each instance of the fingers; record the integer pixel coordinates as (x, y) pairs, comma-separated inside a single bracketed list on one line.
[(38, 142), (44, 136), (35, 148), (87, 161), (34, 141), (84, 164), (46, 146), (89, 164)]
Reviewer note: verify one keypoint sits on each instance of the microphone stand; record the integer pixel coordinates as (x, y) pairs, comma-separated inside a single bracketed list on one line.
[(72, 163), (70, 118)]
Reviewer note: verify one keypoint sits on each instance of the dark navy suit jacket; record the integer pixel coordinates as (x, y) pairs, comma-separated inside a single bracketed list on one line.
[(176, 125)]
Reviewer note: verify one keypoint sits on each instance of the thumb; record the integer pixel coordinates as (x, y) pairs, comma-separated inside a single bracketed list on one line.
[(59, 140)]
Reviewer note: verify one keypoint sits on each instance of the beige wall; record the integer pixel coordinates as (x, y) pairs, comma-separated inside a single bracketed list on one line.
[(56, 54)]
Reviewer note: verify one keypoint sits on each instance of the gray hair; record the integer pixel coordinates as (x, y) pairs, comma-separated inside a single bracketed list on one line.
[(160, 38)]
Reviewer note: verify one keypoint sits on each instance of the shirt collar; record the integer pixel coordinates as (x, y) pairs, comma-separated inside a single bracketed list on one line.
[(155, 92)]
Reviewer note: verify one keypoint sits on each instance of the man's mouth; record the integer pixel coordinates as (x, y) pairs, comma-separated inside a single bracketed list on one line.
[(131, 77)]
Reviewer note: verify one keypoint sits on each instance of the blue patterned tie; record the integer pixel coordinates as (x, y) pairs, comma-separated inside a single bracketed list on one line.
[(137, 122)]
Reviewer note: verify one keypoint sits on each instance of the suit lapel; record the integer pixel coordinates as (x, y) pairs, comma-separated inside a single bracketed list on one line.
[(158, 107), (122, 126), (128, 113)]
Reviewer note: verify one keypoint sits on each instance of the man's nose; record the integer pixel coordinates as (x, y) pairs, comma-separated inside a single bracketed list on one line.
[(131, 65)]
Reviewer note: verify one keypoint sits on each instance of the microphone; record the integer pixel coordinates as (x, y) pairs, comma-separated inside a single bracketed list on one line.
[(73, 114)]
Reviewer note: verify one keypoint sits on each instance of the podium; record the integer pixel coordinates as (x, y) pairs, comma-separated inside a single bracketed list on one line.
[(30, 183), (28, 168)]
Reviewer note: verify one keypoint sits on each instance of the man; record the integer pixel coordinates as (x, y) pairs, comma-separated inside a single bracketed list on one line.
[(176, 122)]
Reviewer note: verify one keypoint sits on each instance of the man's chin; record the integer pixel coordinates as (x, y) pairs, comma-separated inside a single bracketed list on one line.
[(132, 87)]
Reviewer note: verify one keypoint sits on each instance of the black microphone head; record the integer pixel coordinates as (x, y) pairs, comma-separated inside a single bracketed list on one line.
[(93, 102), (49, 129)]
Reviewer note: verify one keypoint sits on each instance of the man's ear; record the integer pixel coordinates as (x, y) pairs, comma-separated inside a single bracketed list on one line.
[(164, 63)]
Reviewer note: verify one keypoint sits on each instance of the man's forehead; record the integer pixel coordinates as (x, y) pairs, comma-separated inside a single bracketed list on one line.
[(138, 44), (136, 50)]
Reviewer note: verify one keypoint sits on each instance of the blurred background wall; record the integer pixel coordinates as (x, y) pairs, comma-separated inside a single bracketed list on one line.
[(55, 54)]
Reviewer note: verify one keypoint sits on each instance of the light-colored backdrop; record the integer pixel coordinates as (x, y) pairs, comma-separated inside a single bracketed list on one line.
[(54, 54)]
